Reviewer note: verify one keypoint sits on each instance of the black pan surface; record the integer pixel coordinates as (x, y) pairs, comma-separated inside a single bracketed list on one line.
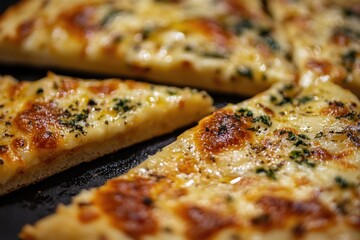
[(31, 203)]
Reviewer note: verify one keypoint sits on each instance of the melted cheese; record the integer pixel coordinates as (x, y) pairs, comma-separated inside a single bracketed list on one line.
[(283, 165), (325, 39), (43, 120), (220, 45)]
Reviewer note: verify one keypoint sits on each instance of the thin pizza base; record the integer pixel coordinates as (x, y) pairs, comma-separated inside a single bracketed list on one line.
[(158, 110), (283, 165)]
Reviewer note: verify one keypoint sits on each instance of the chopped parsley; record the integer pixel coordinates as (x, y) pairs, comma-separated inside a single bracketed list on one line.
[(245, 72), (39, 91), (244, 112), (110, 16), (269, 40), (319, 135), (123, 105), (76, 122), (263, 119), (270, 172), (242, 26), (301, 157), (343, 183)]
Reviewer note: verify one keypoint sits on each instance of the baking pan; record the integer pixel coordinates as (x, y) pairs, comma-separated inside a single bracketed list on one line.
[(31, 203)]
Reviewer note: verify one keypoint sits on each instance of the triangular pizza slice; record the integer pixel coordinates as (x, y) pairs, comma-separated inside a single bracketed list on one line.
[(57, 122), (283, 165), (225, 46)]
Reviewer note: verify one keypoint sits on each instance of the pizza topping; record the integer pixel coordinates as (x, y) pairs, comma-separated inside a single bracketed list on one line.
[(76, 122), (336, 108), (203, 223), (123, 105), (343, 183), (223, 131), (104, 88), (309, 214), (322, 67), (24, 30), (80, 21), (38, 120), (67, 86), (87, 213), (126, 204)]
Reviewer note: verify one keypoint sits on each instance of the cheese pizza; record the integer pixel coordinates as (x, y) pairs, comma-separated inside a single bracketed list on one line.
[(283, 165), (225, 46), (57, 122), (325, 39)]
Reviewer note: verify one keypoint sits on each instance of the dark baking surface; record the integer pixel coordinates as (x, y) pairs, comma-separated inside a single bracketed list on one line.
[(31, 203)]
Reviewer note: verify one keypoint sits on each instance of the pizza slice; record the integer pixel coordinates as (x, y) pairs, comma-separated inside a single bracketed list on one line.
[(58, 122), (224, 46), (283, 165), (325, 38)]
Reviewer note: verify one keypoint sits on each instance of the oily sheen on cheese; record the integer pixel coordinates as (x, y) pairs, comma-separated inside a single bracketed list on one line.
[(225, 46), (283, 165), (57, 122), (325, 38)]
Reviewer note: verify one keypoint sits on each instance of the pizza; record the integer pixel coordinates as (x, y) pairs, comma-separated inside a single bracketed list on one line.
[(282, 165), (225, 46), (325, 39), (58, 122)]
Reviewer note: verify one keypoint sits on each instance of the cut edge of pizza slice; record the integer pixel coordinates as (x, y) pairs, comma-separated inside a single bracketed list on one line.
[(282, 165), (57, 122)]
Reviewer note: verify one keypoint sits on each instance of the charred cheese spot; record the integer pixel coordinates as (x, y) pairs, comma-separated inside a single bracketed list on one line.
[(24, 30), (125, 204), (213, 31), (341, 39), (323, 154), (336, 109), (15, 89), (203, 223), (4, 149), (186, 165), (321, 67), (87, 214), (105, 88), (19, 143), (307, 215), (67, 86), (353, 133), (80, 21), (238, 8), (223, 130), (39, 120)]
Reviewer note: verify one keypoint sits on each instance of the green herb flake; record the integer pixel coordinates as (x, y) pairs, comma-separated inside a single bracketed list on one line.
[(244, 112), (245, 72), (305, 99), (242, 25), (76, 122), (263, 119), (319, 135), (300, 157), (343, 183), (270, 173), (39, 91), (214, 54), (110, 16), (123, 105)]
